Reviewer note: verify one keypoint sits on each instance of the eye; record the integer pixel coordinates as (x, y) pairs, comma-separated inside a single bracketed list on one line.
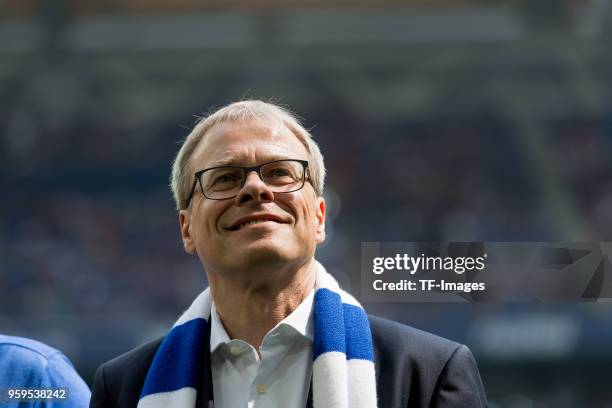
[(228, 178), (279, 173)]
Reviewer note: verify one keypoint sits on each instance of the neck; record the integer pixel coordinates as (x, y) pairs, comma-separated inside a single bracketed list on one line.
[(249, 310)]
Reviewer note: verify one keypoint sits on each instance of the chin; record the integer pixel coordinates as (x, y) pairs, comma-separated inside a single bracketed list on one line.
[(255, 254), (264, 252)]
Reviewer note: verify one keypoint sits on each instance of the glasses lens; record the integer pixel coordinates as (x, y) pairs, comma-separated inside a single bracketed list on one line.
[(225, 182), (222, 182), (283, 176)]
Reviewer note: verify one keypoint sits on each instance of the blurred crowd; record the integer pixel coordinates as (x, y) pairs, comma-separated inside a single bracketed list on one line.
[(90, 231)]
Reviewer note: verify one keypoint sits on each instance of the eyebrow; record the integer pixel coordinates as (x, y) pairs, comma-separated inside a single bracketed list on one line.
[(233, 161)]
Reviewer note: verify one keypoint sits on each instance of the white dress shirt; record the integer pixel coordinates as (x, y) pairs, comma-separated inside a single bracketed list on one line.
[(279, 379)]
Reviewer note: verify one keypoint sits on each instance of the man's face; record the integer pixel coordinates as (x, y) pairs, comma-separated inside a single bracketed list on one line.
[(215, 229)]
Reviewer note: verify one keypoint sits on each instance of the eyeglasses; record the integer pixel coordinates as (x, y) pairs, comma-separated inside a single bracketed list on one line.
[(225, 182)]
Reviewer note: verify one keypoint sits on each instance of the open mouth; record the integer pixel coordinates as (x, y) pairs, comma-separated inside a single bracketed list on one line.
[(254, 220)]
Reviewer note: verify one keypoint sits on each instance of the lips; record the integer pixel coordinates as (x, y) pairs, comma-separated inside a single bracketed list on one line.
[(254, 219)]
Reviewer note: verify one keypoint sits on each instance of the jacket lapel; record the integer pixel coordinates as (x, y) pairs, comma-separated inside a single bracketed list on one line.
[(205, 388), (309, 400)]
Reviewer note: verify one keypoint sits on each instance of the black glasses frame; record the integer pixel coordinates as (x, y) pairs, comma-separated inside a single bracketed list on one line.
[(245, 172)]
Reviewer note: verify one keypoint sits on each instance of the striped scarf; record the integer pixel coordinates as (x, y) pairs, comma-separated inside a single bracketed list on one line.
[(343, 360)]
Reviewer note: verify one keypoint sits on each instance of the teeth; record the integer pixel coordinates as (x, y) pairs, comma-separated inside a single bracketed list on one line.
[(250, 223)]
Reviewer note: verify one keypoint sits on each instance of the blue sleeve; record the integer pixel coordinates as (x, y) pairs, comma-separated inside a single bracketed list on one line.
[(59, 372)]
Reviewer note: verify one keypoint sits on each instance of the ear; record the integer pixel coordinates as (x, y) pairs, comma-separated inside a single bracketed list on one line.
[(185, 224), (320, 215)]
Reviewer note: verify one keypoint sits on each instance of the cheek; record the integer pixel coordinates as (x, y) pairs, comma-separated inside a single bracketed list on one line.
[(304, 212), (308, 218), (208, 223)]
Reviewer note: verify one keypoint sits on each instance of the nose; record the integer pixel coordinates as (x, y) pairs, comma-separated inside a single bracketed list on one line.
[(254, 189)]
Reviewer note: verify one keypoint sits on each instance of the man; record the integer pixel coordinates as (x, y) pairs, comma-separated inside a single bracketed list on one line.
[(274, 329), (30, 365)]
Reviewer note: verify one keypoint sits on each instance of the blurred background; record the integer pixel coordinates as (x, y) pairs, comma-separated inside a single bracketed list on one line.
[(439, 120)]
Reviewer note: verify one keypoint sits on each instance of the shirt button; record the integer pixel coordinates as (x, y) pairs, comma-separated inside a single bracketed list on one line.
[(235, 350), (261, 388)]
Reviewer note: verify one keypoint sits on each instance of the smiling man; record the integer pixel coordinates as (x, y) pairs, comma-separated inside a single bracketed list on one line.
[(274, 329)]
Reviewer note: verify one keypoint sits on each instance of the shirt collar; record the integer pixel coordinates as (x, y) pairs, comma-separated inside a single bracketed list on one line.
[(301, 320), (218, 335)]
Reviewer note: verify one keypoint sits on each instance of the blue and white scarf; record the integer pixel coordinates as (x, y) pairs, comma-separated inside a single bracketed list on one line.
[(343, 359)]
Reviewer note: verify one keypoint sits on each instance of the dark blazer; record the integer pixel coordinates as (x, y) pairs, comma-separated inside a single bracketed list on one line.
[(413, 369)]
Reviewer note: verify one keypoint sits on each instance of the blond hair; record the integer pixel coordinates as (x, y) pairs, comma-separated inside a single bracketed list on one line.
[(181, 180)]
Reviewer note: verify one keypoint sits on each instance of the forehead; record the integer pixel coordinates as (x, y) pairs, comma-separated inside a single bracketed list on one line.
[(247, 143)]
